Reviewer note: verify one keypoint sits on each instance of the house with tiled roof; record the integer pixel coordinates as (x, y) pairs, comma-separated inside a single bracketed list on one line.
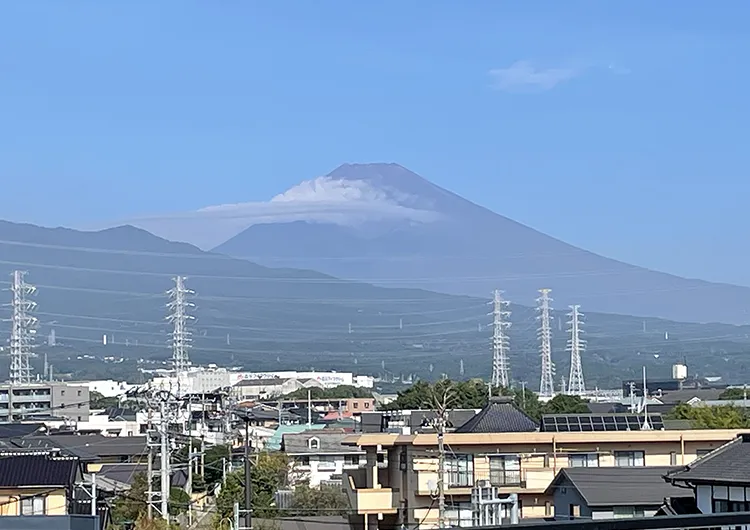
[(37, 484), (319, 455), (719, 479)]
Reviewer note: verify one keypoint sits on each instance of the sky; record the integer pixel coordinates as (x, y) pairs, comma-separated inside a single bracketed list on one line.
[(618, 128)]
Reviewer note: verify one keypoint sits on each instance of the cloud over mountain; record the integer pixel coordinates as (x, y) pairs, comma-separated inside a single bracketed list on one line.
[(323, 199)]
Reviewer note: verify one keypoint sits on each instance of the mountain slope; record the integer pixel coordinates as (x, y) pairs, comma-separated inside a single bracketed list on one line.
[(113, 282), (466, 249)]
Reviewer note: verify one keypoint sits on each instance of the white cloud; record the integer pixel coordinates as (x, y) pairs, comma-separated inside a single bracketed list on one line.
[(324, 199), (524, 76)]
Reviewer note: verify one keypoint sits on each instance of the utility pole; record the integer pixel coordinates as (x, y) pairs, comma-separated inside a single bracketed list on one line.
[(248, 480), (164, 462), (179, 307), (150, 473), (576, 346), (500, 343), (23, 329), (547, 384)]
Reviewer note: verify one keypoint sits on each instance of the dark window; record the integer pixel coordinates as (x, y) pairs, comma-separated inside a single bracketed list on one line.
[(351, 460), (630, 458), (356, 405), (367, 404)]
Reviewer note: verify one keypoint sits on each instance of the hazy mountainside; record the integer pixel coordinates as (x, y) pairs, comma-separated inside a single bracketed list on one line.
[(462, 248), (113, 282)]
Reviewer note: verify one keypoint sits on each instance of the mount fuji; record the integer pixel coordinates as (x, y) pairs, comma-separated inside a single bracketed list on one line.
[(384, 224)]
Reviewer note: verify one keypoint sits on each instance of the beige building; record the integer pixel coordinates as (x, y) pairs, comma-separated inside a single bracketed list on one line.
[(524, 463)]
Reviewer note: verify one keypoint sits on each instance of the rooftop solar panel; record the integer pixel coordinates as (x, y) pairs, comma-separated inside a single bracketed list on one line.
[(599, 422)]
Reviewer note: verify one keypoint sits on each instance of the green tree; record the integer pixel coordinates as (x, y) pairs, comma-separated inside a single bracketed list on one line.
[(98, 401), (733, 394), (130, 506), (325, 500), (705, 417), (179, 501), (269, 474), (564, 404), (337, 392)]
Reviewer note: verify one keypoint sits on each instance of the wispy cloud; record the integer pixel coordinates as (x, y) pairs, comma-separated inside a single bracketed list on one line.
[(323, 200), (524, 76)]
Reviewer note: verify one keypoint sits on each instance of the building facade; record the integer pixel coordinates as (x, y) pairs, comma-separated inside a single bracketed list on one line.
[(319, 457), (522, 463), (44, 400)]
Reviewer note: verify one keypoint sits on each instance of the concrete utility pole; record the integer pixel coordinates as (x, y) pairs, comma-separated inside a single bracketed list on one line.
[(23, 329), (500, 343), (576, 346), (164, 462), (547, 384), (179, 307)]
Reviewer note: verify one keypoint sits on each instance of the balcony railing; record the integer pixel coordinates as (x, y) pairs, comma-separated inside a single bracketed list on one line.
[(505, 478)]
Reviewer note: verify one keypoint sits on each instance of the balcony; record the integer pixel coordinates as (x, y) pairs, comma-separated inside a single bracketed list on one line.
[(368, 500)]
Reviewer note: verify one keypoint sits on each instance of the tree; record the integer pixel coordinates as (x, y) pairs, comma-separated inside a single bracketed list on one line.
[(132, 505), (98, 401), (565, 404), (325, 500), (337, 392), (270, 473), (179, 501), (733, 394), (705, 417)]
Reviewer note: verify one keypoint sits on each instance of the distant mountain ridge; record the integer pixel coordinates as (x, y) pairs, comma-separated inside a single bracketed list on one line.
[(113, 283), (467, 249)]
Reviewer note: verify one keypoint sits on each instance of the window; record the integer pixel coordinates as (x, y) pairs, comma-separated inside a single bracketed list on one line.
[(351, 460), (367, 404), (356, 405), (459, 514), (583, 460), (721, 506), (313, 443), (575, 511), (505, 470), (33, 505), (627, 512), (79, 392), (460, 471), (62, 392), (630, 458), (302, 460)]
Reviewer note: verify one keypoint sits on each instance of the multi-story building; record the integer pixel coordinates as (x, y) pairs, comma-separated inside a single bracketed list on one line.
[(43, 400), (502, 448)]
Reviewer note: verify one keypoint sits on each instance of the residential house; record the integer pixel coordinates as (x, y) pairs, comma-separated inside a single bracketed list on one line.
[(720, 479), (611, 493), (319, 455), (503, 446), (37, 484)]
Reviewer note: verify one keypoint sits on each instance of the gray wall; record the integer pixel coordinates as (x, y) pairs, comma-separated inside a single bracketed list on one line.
[(70, 401), (565, 495), (52, 522)]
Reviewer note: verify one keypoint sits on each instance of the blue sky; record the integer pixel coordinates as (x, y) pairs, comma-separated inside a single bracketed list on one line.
[(619, 128)]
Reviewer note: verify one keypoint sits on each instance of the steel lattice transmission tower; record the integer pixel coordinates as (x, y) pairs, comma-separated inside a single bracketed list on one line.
[(500, 342), (576, 346), (547, 384), (179, 306), (23, 329)]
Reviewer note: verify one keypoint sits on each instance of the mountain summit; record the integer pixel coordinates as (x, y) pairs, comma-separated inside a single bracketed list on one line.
[(385, 224)]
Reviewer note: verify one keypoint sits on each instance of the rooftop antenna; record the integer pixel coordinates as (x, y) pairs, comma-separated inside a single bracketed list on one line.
[(500, 365), (23, 329), (646, 425), (576, 345), (546, 386), (179, 305)]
